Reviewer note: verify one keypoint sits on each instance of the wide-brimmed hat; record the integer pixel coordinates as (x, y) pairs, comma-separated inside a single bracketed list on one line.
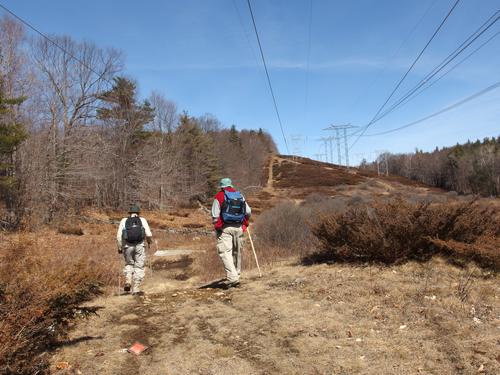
[(134, 209), (226, 182)]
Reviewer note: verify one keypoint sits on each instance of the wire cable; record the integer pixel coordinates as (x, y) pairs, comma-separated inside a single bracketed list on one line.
[(268, 78), (452, 56), (407, 72), (384, 68), (100, 75), (441, 111)]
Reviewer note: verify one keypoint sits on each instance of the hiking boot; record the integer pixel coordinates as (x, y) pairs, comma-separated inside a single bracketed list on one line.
[(127, 287), (232, 284)]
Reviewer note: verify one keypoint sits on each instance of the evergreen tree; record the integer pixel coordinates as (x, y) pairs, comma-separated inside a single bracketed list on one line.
[(12, 134), (234, 137), (198, 158), (126, 118)]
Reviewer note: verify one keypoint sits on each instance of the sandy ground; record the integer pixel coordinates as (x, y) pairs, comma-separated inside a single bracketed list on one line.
[(326, 319)]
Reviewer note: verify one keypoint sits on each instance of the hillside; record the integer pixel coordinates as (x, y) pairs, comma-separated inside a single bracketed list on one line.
[(411, 318)]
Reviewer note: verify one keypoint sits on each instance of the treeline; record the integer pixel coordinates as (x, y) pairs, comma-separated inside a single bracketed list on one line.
[(74, 133), (471, 168)]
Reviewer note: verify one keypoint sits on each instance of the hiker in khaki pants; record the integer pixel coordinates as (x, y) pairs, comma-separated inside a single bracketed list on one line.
[(230, 214)]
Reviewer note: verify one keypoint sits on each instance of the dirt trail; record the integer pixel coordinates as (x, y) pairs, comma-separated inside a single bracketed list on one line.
[(335, 319)]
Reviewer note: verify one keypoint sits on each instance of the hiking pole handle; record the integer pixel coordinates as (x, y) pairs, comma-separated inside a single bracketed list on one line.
[(254, 253)]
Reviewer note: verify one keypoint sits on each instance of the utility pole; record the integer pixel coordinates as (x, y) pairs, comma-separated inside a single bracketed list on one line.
[(337, 129)]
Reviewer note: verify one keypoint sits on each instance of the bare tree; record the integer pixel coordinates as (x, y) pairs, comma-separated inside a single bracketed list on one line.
[(71, 80)]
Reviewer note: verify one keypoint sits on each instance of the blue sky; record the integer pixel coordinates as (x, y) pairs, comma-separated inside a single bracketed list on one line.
[(203, 55)]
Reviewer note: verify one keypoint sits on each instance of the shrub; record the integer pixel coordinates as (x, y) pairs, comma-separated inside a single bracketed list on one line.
[(398, 230), (284, 226), (42, 291), (71, 229)]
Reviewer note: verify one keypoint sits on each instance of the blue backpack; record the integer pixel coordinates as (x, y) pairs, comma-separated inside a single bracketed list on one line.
[(233, 208)]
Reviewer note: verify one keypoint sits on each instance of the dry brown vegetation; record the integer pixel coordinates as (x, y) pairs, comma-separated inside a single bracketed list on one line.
[(344, 317), (416, 318), (43, 283), (398, 231), (303, 173)]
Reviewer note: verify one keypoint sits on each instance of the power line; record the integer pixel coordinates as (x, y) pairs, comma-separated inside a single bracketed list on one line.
[(247, 37), (446, 109), (407, 72), (408, 99), (100, 75), (452, 56), (408, 36), (267, 75)]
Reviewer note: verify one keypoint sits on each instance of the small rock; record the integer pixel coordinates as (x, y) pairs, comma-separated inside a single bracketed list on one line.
[(481, 369), (358, 340), (219, 293), (317, 305), (477, 320), (338, 346), (174, 295), (362, 357), (403, 326)]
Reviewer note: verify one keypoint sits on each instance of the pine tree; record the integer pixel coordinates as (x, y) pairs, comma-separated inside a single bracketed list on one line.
[(198, 158), (127, 118), (12, 134)]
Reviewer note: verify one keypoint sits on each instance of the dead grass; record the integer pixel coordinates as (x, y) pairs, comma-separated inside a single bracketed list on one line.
[(71, 229), (44, 282), (305, 173), (324, 319)]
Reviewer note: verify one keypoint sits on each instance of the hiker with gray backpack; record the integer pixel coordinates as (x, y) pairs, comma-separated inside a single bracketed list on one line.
[(230, 214), (132, 232)]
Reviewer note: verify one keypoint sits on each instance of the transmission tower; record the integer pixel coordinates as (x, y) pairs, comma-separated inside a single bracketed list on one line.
[(325, 141), (297, 140), (338, 136), (382, 162)]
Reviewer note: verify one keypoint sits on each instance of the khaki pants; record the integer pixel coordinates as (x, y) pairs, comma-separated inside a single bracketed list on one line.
[(135, 257), (229, 247)]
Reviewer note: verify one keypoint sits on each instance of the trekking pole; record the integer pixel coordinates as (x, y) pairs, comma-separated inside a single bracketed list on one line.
[(254, 253), (119, 276), (149, 260)]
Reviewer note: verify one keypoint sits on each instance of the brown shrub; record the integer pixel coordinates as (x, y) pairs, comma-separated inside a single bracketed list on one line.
[(311, 173), (71, 229), (193, 225), (397, 231), (284, 226), (43, 284)]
